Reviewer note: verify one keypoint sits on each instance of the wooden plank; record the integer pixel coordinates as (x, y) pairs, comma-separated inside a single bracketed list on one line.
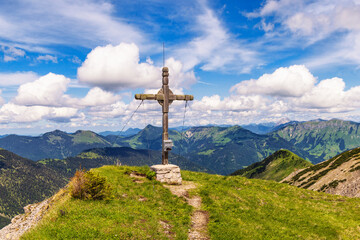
[(160, 97), (181, 97), (166, 91), (145, 96)]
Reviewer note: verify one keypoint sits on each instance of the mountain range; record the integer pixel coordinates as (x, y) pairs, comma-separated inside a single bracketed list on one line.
[(321, 139), (55, 144), (128, 132), (222, 150)]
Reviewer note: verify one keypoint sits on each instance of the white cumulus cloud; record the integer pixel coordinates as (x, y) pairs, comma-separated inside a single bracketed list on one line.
[(118, 67), (293, 81), (48, 90), (232, 103), (97, 97), (327, 94), (12, 113), (178, 78)]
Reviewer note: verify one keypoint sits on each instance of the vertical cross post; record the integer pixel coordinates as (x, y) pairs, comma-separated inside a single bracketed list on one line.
[(165, 97), (165, 110)]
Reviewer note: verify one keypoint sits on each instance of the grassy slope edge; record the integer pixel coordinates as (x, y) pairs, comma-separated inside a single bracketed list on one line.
[(275, 167), (239, 208), (137, 211)]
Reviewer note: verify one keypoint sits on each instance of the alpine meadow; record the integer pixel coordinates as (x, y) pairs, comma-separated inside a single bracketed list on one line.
[(193, 119)]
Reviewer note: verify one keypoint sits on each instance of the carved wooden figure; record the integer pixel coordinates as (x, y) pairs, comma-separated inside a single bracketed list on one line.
[(165, 97)]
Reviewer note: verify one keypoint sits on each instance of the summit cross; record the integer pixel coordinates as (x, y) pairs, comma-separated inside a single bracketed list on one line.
[(165, 97)]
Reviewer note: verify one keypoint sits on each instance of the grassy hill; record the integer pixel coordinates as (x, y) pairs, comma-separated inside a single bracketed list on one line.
[(322, 139), (275, 167), (97, 157), (239, 208), (137, 211), (23, 182), (56, 144), (338, 175)]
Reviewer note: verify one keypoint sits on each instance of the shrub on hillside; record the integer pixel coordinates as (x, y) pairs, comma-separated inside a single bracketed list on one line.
[(88, 185), (150, 175)]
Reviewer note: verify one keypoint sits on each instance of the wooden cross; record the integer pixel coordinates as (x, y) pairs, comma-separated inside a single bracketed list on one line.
[(165, 97)]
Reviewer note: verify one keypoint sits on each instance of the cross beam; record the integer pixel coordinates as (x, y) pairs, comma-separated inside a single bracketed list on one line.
[(165, 97)]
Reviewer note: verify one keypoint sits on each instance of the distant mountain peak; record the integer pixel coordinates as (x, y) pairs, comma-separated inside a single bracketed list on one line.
[(283, 121), (151, 126), (81, 132), (56, 132)]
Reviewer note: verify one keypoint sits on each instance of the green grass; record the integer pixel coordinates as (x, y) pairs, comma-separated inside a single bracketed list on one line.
[(242, 208), (122, 217), (239, 208)]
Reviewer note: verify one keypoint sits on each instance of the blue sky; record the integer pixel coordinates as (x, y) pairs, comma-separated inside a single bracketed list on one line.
[(77, 64)]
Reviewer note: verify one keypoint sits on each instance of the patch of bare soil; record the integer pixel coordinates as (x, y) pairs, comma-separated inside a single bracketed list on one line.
[(137, 177), (199, 218), (167, 229)]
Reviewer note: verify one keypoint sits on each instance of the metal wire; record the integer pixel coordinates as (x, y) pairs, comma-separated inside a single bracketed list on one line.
[(126, 123), (182, 129), (146, 135)]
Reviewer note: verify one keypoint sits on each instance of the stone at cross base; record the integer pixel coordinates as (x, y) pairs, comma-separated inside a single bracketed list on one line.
[(165, 173), (168, 173)]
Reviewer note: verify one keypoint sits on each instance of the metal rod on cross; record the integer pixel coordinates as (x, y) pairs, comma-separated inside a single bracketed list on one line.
[(165, 97)]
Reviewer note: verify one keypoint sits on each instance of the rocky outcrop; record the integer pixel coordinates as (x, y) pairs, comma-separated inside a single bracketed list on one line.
[(339, 175), (24, 222)]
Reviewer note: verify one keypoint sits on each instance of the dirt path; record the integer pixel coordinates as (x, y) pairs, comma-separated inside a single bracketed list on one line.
[(199, 218)]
